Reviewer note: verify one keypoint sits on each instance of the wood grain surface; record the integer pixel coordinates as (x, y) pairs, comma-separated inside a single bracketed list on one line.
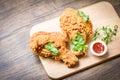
[(17, 61)]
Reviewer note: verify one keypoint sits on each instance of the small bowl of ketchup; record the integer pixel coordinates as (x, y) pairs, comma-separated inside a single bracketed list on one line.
[(98, 48)]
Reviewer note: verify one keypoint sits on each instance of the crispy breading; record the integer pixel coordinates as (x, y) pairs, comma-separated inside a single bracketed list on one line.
[(40, 39), (72, 24)]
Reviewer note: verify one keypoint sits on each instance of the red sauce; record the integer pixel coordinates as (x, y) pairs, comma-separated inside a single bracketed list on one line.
[(98, 47)]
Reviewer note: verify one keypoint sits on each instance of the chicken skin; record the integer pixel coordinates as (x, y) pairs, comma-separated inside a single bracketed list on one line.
[(72, 24), (58, 41)]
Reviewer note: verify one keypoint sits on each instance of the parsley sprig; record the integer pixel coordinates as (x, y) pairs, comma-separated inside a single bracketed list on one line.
[(108, 33), (78, 44), (96, 34), (50, 47), (83, 15)]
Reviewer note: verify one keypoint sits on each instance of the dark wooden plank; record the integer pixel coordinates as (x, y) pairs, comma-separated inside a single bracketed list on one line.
[(17, 60)]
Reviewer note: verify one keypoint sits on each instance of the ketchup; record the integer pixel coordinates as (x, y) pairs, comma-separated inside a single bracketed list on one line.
[(98, 47)]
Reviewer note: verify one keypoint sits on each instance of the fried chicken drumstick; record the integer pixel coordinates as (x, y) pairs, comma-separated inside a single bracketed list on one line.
[(52, 45), (76, 24)]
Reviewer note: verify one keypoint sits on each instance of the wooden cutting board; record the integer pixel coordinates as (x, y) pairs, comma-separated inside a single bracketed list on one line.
[(101, 14)]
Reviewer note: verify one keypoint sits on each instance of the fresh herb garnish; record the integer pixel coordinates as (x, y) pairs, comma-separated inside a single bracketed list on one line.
[(83, 15), (96, 34), (78, 44), (50, 47), (108, 33)]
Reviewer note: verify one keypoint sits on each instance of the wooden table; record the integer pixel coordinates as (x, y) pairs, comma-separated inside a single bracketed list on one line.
[(17, 60)]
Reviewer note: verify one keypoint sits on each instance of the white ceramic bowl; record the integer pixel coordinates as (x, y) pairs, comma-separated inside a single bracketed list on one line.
[(95, 53)]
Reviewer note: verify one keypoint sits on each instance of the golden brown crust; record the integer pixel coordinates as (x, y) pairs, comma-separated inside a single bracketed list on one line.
[(72, 24), (39, 39)]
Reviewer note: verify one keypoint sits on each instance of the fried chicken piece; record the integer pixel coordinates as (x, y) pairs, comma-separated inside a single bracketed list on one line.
[(40, 39), (72, 24)]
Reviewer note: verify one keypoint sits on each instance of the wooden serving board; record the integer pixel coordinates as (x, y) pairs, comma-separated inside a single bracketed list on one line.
[(101, 14)]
